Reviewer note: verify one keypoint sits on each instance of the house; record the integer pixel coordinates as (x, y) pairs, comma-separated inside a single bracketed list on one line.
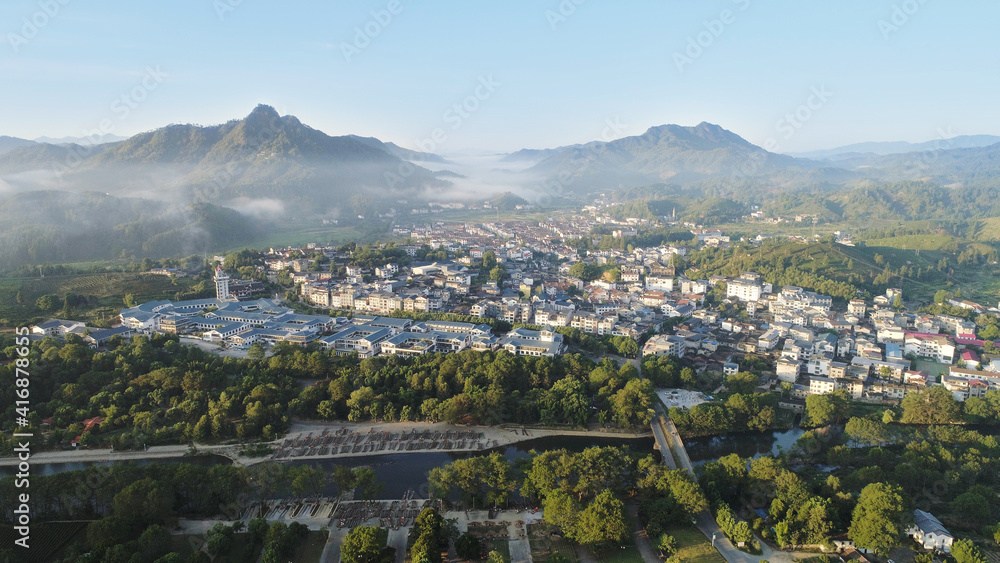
[(56, 327), (100, 337), (524, 342), (664, 345), (936, 346), (929, 532), (787, 370), (819, 385), (744, 289)]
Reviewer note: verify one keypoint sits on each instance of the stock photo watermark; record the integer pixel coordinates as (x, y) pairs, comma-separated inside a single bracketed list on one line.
[(121, 108), (225, 7), (31, 25), (786, 127), (562, 12), (365, 34), (456, 115), (704, 39), (581, 161), (900, 16)]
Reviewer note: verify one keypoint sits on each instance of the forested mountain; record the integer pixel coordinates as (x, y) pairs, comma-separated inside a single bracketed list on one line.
[(687, 156), (47, 227), (8, 143), (261, 156)]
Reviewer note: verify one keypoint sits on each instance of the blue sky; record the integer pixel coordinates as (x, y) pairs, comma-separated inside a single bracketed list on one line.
[(561, 71)]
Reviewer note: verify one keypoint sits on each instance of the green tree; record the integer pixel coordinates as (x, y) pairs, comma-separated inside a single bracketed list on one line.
[(964, 551), (827, 409), (498, 273), (667, 544), (469, 546), (876, 522), (602, 522), (933, 405), (256, 351), (47, 303), (364, 544), (743, 382), (489, 260), (561, 510)]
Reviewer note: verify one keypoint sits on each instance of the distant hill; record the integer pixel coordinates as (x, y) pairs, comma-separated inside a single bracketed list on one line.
[(108, 138), (8, 143), (405, 154), (263, 155), (49, 227), (968, 167), (898, 147), (676, 154), (507, 201)]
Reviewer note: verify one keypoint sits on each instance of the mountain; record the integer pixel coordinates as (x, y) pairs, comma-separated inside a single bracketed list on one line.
[(676, 154), (108, 138), (898, 147), (52, 226), (8, 143), (394, 149), (263, 156), (971, 167)]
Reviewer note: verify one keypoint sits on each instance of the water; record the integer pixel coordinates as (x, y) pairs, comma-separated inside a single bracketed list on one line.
[(399, 473), (745, 444)]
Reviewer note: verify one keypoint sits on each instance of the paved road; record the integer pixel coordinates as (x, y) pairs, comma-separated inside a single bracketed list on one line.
[(397, 540), (520, 549), (663, 443), (642, 541)]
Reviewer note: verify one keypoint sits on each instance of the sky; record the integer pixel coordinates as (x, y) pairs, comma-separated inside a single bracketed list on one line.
[(468, 77)]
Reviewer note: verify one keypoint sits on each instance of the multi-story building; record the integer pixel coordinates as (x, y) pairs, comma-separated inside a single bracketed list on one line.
[(744, 289)]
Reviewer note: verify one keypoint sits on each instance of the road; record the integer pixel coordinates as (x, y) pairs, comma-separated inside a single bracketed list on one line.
[(642, 541)]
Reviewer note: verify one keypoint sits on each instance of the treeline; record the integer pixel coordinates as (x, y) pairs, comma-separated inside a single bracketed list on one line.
[(873, 486), (779, 262), (46, 227), (897, 201), (581, 492), (152, 390), (740, 413), (132, 508), (481, 388)]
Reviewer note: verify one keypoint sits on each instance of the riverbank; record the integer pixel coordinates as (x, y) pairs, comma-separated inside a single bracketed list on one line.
[(492, 437)]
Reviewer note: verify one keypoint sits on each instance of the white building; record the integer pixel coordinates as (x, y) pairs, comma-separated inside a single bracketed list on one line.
[(744, 290), (929, 532), (221, 284)]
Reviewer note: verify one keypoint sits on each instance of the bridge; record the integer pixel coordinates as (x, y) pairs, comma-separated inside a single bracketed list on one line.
[(669, 442)]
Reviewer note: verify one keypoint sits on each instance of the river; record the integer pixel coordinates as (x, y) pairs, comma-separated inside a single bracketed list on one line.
[(408, 471)]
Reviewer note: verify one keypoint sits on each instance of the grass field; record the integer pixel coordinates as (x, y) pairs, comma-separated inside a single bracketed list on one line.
[(694, 547), (184, 544), (543, 544), (503, 546), (918, 242), (617, 555), (103, 291), (933, 368), (312, 549)]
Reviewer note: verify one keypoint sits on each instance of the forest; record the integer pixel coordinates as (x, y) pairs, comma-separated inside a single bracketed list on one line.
[(152, 390)]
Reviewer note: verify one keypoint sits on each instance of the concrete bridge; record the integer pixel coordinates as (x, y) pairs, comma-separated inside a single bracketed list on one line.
[(670, 444)]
